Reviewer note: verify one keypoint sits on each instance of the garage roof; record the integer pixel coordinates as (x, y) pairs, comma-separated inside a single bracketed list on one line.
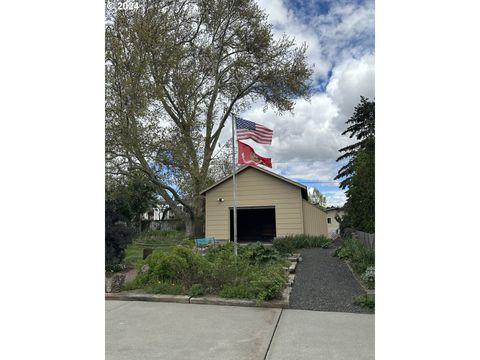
[(242, 168)]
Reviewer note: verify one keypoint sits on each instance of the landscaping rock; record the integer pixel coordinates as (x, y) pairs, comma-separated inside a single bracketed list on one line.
[(291, 268), (325, 283), (291, 279), (145, 269), (117, 282)]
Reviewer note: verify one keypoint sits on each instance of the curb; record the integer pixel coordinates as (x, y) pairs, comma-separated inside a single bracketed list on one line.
[(184, 299), (284, 302)]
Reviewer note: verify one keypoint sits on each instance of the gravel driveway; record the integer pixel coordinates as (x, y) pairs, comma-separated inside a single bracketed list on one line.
[(325, 283)]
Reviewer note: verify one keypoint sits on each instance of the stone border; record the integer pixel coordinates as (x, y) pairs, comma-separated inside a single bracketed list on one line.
[(283, 303)]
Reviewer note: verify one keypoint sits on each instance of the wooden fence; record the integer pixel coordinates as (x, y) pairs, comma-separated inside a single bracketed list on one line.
[(367, 238)]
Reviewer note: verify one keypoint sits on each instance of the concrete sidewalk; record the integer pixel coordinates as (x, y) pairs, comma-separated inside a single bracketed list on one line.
[(304, 334), (151, 330)]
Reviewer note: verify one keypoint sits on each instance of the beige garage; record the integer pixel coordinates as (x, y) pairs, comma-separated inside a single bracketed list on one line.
[(268, 206)]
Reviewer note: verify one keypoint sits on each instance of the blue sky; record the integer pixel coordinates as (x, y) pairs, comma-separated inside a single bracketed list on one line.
[(340, 39)]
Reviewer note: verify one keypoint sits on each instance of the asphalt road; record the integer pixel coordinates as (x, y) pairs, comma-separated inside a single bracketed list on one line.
[(149, 330)]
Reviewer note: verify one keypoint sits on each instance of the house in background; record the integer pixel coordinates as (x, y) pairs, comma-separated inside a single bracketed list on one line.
[(333, 227), (268, 206), (161, 212)]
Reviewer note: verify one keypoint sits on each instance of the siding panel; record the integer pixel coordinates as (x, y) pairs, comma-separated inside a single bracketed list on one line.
[(255, 188), (315, 219)]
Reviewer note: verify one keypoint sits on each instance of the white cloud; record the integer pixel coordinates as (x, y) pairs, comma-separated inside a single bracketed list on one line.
[(306, 142), (345, 31), (335, 198), (349, 80)]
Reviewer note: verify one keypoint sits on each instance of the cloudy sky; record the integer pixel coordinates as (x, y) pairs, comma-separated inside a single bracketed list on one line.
[(340, 39)]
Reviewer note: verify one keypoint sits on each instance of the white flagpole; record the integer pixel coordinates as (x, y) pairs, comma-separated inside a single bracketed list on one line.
[(234, 188)]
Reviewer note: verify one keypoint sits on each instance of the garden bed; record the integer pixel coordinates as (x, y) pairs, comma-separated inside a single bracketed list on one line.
[(259, 275), (360, 259)]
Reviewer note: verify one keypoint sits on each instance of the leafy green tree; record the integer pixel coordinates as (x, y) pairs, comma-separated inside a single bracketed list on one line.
[(135, 196), (359, 173), (175, 72), (315, 197)]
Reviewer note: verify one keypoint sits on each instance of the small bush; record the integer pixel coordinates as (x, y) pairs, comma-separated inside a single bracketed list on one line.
[(263, 283), (237, 292), (117, 234), (368, 277), (359, 255), (284, 245), (289, 244), (267, 282), (365, 301), (308, 241), (115, 268), (259, 254), (197, 290), (180, 264), (165, 288)]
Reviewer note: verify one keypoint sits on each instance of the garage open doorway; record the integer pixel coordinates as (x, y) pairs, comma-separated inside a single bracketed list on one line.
[(254, 224)]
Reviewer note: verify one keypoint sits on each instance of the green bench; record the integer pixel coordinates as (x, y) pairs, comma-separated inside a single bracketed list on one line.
[(204, 242)]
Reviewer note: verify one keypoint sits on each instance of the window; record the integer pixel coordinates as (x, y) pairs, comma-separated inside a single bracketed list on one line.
[(329, 220)]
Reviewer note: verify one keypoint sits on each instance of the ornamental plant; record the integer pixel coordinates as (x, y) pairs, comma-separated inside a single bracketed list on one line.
[(368, 277)]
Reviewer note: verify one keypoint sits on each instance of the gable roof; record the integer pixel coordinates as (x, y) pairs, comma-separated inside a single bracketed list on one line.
[(244, 167)]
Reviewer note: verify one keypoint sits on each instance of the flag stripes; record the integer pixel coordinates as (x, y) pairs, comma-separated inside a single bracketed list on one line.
[(249, 130)]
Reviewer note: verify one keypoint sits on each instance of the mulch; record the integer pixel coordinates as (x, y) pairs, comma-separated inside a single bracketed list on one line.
[(325, 283)]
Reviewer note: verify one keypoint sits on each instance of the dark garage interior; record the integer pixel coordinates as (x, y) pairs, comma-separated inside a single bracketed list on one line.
[(254, 224)]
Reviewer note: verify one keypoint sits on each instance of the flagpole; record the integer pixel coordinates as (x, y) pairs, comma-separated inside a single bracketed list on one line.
[(234, 189)]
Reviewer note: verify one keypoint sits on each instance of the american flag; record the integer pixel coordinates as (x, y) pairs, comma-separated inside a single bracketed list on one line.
[(249, 130)]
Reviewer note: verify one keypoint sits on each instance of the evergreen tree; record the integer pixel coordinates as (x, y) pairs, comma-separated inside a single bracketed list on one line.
[(359, 173), (362, 127)]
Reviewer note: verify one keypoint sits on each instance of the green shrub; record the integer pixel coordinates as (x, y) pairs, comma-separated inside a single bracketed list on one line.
[(367, 301), (117, 233), (115, 268), (257, 272), (289, 244), (267, 282), (284, 245), (368, 277), (225, 268), (309, 241), (359, 255), (263, 283), (259, 254), (165, 288), (179, 264), (197, 290), (241, 291)]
